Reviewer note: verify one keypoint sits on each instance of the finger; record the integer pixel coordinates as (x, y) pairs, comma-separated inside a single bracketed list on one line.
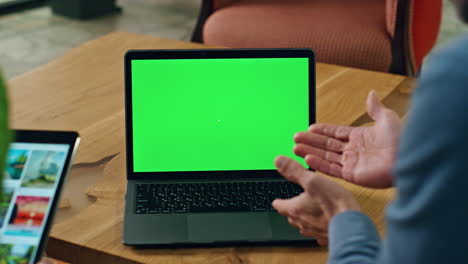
[(375, 108), (287, 207), (303, 150), (304, 227), (304, 218), (322, 241), (319, 141), (324, 166), (310, 226), (310, 233), (293, 170), (334, 131), (293, 222)]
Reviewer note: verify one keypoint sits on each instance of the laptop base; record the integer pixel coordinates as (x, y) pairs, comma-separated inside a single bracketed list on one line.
[(204, 228)]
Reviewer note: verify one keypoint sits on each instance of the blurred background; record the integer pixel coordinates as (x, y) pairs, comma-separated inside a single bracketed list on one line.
[(31, 34)]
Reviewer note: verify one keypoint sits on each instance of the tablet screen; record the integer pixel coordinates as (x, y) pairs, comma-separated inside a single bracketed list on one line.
[(32, 175)]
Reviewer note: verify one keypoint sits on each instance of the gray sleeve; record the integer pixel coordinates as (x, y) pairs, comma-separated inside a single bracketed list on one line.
[(427, 223), (353, 239)]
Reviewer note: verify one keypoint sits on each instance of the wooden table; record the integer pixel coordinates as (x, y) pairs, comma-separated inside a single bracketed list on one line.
[(84, 91)]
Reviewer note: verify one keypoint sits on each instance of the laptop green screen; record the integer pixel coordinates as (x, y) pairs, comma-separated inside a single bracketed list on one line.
[(217, 114)]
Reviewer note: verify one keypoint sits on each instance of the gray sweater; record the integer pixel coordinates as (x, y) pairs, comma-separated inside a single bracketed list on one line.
[(428, 221)]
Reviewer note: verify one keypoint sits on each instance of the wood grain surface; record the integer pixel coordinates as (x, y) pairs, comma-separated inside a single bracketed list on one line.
[(84, 91)]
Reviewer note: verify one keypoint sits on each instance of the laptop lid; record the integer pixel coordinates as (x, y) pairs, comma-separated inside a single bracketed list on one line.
[(37, 164), (210, 114)]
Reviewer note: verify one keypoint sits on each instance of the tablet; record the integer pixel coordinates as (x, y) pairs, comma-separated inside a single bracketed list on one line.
[(37, 165)]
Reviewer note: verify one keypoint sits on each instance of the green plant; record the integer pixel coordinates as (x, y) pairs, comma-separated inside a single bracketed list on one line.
[(5, 135)]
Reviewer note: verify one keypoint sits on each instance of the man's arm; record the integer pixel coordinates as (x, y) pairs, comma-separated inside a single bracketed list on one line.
[(427, 223), (353, 239)]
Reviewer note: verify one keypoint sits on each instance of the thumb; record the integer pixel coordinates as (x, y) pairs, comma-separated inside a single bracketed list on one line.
[(375, 108), (286, 207)]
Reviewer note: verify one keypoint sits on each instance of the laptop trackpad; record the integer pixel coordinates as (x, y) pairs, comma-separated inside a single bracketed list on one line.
[(229, 227)]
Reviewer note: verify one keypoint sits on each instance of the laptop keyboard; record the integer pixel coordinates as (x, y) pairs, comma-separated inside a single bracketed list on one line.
[(211, 197)]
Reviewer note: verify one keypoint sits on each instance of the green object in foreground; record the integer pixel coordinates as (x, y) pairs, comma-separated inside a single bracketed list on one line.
[(217, 114), (5, 135)]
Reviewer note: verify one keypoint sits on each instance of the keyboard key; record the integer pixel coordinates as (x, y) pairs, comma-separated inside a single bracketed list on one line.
[(153, 210), (141, 211)]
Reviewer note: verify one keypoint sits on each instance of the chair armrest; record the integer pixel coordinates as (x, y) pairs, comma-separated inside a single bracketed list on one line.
[(218, 4), (391, 16)]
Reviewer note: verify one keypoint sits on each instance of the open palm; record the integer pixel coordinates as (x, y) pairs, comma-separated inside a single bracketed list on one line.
[(361, 155)]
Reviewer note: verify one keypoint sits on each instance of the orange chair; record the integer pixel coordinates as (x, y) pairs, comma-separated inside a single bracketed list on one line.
[(381, 35)]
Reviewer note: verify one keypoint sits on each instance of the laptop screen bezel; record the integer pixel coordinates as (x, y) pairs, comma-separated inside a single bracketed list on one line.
[(206, 54)]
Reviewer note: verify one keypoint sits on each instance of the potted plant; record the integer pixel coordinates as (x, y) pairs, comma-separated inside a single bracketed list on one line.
[(4, 130), (83, 9)]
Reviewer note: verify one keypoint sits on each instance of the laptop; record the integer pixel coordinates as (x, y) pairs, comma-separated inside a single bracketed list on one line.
[(203, 128), (37, 164)]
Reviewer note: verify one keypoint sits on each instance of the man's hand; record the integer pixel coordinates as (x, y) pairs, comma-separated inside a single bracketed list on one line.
[(360, 155), (312, 210)]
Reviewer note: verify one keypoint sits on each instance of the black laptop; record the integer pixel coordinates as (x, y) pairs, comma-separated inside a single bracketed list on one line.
[(203, 128)]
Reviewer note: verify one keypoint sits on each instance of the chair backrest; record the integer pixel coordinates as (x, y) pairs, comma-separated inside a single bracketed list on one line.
[(218, 4), (206, 9), (413, 26)]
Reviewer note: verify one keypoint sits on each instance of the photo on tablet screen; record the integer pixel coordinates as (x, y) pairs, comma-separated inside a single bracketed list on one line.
[(15, 164), (43, 169), (5, 204), (15, 253), (27, 216)]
